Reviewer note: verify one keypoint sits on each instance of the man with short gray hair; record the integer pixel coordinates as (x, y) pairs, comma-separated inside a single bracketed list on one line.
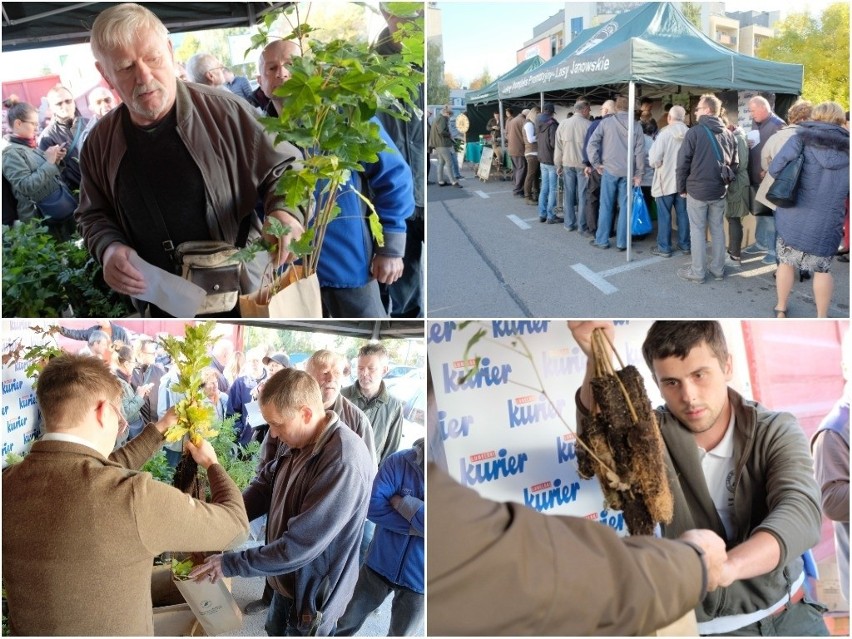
[(607, 149), (569, 164), (663, 157), (766, 124), (205, 68)]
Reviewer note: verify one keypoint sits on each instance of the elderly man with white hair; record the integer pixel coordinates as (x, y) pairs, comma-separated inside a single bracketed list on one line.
[(765, 124), (663, 157), (205, 68)]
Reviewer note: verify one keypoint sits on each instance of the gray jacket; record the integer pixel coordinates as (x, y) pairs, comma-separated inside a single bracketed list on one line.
[(608, 146), (774, 492), (32, 177)]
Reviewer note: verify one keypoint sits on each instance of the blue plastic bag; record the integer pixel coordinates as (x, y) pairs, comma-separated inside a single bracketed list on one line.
[(641, 222)]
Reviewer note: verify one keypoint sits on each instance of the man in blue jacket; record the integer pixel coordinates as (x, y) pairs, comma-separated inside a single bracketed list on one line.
[(395, 559), (351, 264)]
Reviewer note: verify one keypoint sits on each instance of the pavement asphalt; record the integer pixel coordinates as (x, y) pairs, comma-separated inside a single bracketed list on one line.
[(488, 256)]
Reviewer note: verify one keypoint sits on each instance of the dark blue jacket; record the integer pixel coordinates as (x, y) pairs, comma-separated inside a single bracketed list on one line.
[(396, 551), (348, 248), (238, 397), (815, 223)]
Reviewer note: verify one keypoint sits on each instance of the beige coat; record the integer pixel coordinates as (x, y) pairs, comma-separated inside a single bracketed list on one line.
[(662, 156), (769, 151), (569, 141), (80, 533), (504, 569)]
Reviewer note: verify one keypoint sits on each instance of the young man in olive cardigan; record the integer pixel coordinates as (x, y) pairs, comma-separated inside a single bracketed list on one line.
[(736, 468), (82, 525)]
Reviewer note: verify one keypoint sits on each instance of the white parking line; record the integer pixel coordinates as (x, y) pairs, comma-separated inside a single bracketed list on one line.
[(519, 222), (594, 279), (629, 266), (598, 280), (483, 195)]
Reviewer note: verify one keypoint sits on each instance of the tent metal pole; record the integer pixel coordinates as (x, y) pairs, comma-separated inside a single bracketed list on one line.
[(502, 126), (631, 103)]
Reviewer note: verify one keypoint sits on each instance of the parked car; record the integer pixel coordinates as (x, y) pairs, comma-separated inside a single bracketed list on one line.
[(411, 391), (398, 371)]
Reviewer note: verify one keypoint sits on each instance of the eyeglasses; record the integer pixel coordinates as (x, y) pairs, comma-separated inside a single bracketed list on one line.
[(122, 422), (108, 100), (61, 102), (34, 123)]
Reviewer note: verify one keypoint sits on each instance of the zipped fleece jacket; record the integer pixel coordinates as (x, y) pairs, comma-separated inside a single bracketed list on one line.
[(317, 502), (348, 248), (774, 492), (237, 160), (397, 550), (698, 171), (80, 533)]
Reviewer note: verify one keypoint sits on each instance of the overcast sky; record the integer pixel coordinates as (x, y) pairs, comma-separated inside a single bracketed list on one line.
[(480, 35)]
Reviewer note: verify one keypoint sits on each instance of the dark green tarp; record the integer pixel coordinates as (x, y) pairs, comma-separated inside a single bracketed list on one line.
[(488, 93), (653, 44)]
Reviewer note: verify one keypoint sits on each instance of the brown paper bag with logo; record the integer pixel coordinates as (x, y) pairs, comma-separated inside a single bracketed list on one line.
[(300, 298)]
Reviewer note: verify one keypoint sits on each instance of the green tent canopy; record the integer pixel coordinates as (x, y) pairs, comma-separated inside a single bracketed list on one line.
[(488, 94), (653, 44)]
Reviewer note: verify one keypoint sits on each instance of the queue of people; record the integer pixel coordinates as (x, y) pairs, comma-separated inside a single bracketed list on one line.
[(702, 180)]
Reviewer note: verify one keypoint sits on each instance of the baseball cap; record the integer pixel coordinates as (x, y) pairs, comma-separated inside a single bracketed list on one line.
[(548, 108), (281, 358)]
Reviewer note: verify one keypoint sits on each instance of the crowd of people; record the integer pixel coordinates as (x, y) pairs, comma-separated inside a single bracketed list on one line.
[(177, 142), (343, 505), (702, 180)]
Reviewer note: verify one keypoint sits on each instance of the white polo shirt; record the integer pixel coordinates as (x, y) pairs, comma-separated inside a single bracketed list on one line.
[(718, 467)]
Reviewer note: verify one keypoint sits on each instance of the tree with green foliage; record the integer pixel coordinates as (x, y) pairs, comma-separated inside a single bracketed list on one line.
[(822, 46), (692, 12), (482, 80), (436, 91)]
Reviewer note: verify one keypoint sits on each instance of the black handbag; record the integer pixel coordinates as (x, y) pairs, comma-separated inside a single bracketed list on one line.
[(59, 205), (782, 192)]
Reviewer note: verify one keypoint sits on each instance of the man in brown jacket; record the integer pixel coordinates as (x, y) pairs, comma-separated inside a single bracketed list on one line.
[(504, 569), (81, 524)]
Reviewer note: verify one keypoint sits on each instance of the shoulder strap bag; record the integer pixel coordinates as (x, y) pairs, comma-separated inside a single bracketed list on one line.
[(725, 171), (206, 263), (60, 204), (782, 192)]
